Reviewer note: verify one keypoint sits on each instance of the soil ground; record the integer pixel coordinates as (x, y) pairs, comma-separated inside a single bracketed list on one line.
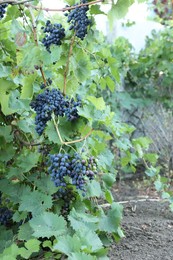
[(147, 224)]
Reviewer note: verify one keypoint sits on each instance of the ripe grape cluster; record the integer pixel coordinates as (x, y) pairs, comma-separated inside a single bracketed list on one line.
[(5, 213), (48, 83), (53, 101), (2, 10), (79, 20), (73, 166), (67, 196), (54, 33)]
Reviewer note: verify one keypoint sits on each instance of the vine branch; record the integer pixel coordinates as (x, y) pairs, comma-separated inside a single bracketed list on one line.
[(17, 134), (63, 9), (70, 142), (14, 2), (67, 64), (34, 29)]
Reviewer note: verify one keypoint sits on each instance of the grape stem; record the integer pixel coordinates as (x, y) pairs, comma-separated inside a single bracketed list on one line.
[(14, 2), (67, 64), (63, 9), (17, 134), (70, 142), (34, 29)]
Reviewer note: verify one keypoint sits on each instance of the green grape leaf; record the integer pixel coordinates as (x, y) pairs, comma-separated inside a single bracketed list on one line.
[(110, 222), (67, 244), (25, 232), (35, 202), (97, 102), (81, 221), (14, 190), (80, 255), (93, 189), (82, 66), (45, 184), (27, 160), (109, 197), (18, 104), (6, 238), (95, 9), (89, 240), (7, 152), (4, 71), (51, 133), (26, 125), (48, 225), (5, 131), (110, 83), (27, 88)]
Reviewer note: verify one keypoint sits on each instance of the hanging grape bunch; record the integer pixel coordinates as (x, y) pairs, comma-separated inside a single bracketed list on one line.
[(78, 20), (67, 196), (45, 104), (54, 33), (3, 10), (53, 101), (73, 166), (5, 213)]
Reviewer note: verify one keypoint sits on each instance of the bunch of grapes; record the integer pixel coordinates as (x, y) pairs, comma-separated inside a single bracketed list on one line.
[(79, 20), (71, 111), (2, 10), (48, 83), (45, 104), (54, 33), (67, 196), (5, 215), (79, 170), (53, 101)]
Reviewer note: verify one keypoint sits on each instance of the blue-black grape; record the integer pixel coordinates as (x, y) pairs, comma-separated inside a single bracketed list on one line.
[(48, 83), (53, 101), (67, 196), (3, 10), (71, 111), (79, 20), (73, 166), (5, 215), (44, 105), (54, 33)]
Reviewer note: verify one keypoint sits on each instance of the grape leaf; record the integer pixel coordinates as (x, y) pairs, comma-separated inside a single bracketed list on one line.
[(67, 244), (25, 232), (110, 222), (35, 202), (83, 256), (47, 225)]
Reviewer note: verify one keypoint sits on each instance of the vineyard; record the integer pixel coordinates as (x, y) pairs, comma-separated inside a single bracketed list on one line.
[(64, 145)]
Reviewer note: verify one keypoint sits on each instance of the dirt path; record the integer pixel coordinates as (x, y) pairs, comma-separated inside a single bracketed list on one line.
[(148, 228)]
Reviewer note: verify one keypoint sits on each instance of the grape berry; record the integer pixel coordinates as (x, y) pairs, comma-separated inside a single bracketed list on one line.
[(3, 10), (5, 213), (78, 20), (75, 167), (54, 33), (67, 196)]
